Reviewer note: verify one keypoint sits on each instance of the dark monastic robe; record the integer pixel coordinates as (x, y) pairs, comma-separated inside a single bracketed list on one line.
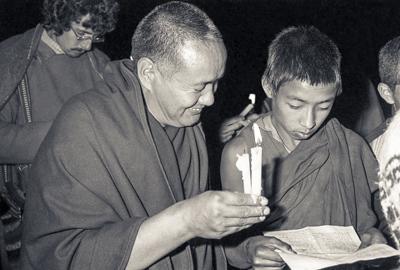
[(326, 180), (106, 166)]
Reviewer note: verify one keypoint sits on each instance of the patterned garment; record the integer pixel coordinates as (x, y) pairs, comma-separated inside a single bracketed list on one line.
[(389, 172)]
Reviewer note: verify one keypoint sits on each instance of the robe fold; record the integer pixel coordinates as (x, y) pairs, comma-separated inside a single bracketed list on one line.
[(328, 179), (104, 168)]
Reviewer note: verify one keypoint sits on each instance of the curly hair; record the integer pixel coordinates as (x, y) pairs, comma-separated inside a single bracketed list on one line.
[(58, 14)]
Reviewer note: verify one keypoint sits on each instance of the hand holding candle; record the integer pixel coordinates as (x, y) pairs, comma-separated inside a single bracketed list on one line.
[(232, 126), (249, 107)]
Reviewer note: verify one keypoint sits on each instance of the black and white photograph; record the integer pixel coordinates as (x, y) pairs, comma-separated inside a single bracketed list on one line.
[(200, 134)]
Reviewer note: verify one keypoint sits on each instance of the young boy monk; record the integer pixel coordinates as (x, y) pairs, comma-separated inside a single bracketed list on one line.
[(314, 170)]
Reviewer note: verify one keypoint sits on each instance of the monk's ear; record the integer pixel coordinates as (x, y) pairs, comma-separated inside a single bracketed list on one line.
[(386, 93), (146, 70), (267, 87)]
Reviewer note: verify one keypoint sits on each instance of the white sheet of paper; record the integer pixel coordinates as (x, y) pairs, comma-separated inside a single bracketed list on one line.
[(304, 262), (324, 246)]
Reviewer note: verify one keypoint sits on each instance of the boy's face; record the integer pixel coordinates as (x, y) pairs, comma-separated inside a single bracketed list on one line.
[(299, 109)]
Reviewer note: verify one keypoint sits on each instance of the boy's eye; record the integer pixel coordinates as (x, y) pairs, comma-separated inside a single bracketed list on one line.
[(324, 107), (295, 107)]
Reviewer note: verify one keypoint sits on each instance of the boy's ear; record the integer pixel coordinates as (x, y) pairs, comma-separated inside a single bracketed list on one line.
[(267, 87), (386, 93), (146, 72)]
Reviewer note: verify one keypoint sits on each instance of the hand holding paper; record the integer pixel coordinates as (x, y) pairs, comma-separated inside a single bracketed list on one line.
[(263, 251), (325, 246)]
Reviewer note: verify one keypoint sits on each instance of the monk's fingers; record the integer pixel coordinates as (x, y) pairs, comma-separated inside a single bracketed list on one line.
[(245, 212), (240, 199), (242, 223), (268, 268)]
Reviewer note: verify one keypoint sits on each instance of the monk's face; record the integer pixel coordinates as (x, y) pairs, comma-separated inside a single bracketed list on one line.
[(299, 109), (178, 99)]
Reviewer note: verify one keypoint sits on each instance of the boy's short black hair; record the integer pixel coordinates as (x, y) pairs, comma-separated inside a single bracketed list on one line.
[(302, 53)]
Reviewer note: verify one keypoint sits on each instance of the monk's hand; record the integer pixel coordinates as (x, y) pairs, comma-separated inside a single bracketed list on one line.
[(230, 127), (263, 252), (215, 214), (372, 236)]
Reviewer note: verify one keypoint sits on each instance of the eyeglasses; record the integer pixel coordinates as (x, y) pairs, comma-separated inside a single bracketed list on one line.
[(86, 36)]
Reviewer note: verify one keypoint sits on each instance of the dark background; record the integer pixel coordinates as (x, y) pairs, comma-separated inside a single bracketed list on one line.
[(359, 28)]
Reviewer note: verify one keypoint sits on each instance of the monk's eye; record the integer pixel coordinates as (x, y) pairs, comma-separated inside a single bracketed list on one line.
[(200, 88)]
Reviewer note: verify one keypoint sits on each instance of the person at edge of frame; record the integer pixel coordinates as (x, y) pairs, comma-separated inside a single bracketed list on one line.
[(41, 70)]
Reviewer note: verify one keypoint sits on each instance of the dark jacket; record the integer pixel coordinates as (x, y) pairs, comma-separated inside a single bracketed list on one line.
[(21, 135), (20, 142)]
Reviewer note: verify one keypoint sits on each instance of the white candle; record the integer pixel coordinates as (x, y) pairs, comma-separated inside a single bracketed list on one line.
[(243, 164), (250, 165), (256, 162)]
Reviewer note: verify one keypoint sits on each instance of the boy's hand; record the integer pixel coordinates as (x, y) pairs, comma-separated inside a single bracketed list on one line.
[(263, 252), (372, 236)]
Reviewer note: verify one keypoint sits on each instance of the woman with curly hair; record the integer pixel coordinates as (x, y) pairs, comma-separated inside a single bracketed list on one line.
[(40, 70)]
